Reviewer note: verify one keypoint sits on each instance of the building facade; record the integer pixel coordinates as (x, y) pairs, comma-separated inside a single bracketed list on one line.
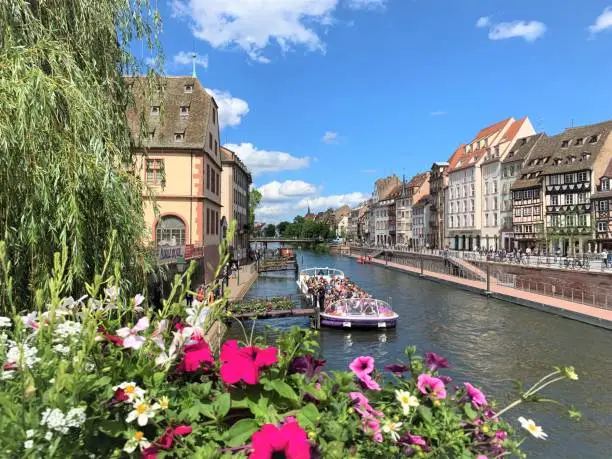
[(379, 209), (235, 183), (576, 158), (438, 182), (177, 155), (409, 193), (420, 223), (602, 209)]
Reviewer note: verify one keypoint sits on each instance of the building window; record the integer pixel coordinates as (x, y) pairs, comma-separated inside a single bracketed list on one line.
[(207, 177), (155, 171), (603, 206), (583, 198), (605, 184), (585, 156), (155, 109), (189, 88), (568, 178), (583, 220), (210, 141), (554, 200), (218, 184), (214, 182), (216, 148), (184, 112), (570, 220), (527, 212), (569, 199), (579, 141), (214, 115), (594, 139), (179, 136), (565, 144), (602, 227), (536, 210), (170, 231), (583, 176), (553, 179), (517, 211)]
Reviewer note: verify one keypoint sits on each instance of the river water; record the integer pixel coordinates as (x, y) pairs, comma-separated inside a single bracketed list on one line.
[(488, 342)]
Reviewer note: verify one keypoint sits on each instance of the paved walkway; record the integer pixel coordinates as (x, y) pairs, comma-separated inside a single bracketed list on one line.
[(588, 314), (248, 275)]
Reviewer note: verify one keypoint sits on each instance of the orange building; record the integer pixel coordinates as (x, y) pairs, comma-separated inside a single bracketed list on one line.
[(177, 154)]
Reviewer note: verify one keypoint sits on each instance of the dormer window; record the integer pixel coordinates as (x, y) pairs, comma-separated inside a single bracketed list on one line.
[(594, 139), (511, 154), (605, 184), (155, 109), (558, 161), (179, 136), (585, 156), (214, 115), (150, 135), (579, 141), (184, 111), (571, 159), (565, 144), (497, 150), (523, 142), (189, 88), (545, 160)]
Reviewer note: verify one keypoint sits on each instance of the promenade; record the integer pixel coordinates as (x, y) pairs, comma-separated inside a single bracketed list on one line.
[(588, 314), (240, 283)]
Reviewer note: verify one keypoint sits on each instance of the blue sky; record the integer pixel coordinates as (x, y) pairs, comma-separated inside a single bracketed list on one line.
[(321, 97)]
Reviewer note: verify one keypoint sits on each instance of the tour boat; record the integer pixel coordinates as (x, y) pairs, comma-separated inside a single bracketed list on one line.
[(326, 273)]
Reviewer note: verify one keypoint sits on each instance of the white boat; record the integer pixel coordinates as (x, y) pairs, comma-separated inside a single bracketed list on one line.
[(326, 273)]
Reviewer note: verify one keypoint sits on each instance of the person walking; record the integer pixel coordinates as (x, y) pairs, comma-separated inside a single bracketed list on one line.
[(604, 257)]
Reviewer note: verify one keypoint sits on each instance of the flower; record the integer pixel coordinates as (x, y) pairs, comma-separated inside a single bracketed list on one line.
[(476, 396), (61, 349), (130, 336), (434, 361), (54, 419), (362, 405), (481, 456), (157, 335), (370, 383), (142, 412), (430, 385), (28, 444), (307, 365), (194, 356), (372, 426), (167, 438), (362, 366), (164, 403), (129, 391), (137, 440), (408, 439), (501, 435), (20, 355), (407, 400), (112, 338), (67, 329), (5, 322), (530, 426), (30, 320), (391, 428), (48, 436), (290, 440), (396, 368), (138, 299), (75, 417), (244, 364), (570, 373)]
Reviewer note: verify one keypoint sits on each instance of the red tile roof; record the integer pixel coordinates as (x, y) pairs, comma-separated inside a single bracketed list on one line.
[(490, 130), (608, 171), (456, 155), (513, 130)]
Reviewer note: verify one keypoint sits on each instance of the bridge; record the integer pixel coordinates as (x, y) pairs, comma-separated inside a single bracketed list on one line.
[(285, 240)]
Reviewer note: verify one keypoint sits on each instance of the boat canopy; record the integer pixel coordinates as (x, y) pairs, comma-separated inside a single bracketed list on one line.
[(322, 272), (359, 307)]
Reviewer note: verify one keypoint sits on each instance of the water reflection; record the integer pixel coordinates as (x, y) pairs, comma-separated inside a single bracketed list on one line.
[(488, 342)]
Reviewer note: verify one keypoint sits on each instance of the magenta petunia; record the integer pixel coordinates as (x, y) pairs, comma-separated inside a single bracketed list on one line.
[(362, 366), (370, 383), (434, 361), (362, 405), (430, 385), (476, 396), (409, 439), (396, 368), (245, 364), (194, 356), (167, 438), (289, 441)]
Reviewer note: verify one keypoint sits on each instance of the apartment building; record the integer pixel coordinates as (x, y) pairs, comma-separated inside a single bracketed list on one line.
[(575, 159), (379, 217), (177, 155), (235, 183), (474, 192), (408, 194), (602, 209), (420, 222)]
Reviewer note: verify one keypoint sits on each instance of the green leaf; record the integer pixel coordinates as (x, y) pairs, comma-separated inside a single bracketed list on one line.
[(112, 428), (240, 432), (425, 413), (283, 389), (101, 382), (469, 412), (158, 378), (222, 405), (308, 416)]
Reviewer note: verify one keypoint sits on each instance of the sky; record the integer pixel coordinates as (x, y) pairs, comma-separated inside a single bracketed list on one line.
[(322, 97)]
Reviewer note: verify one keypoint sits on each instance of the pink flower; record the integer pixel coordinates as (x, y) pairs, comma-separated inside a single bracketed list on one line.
[(371, 426), (476, 396), (363, 406), (481, 456), (501, 435), (370, 383), (167, 438), (434, 361), (244, 364), (362, 366), (431, 385), (130, 336), (112, 338), (409, 439), (290, 441), (158, 334), (194, 356)]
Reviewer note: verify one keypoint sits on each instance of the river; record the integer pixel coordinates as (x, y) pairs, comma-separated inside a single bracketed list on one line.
[(488, 342)]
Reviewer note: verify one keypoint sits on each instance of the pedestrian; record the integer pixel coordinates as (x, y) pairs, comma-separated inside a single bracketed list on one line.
[(604, 257)]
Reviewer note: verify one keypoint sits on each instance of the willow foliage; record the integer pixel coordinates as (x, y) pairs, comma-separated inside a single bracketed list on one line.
[(64, 138)]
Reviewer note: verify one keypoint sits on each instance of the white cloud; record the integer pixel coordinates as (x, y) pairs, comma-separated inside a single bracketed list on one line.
[(603, 21), (330, 137), (262, 161), (365, 4), (151, 61), (439, 113), (530, 31), (185, 58), (231, 109), (289, 189), (334, 201)]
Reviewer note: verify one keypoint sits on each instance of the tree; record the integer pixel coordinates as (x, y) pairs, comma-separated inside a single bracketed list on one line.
[(65, 141), (254, 201), (282, 227), (270, 230)]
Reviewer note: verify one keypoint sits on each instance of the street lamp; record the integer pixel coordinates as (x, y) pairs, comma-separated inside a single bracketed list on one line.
[(180, 264)]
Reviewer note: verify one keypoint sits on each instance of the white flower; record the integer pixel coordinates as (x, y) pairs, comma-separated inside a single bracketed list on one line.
[(6, 375), (130, 335), (196, 316), (68, 329), (30, 320), (163, 358), (138, 299), (24, 355), (30, 433), (49, 436), (69, 303), (570, 373), (137, 440), (5, 322), (131, 390), (391, 428), (530, 426), (76, 417), (158, 334), (142, 412), (111, 293), (407, 400), (54, 419), (61, 349), (28, 444)]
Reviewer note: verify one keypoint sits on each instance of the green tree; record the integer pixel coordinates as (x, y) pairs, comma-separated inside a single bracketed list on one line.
[(282, 227), (254, 201), (64, 138), (270, 230)]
